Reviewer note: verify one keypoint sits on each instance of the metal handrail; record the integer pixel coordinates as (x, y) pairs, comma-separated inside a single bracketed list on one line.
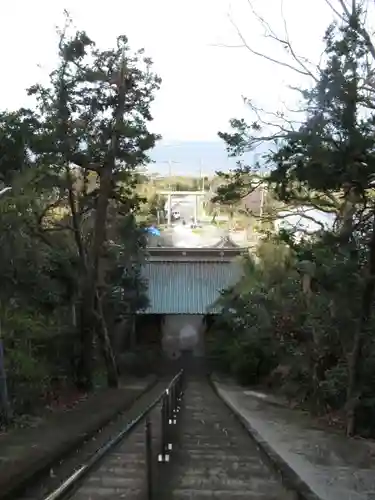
[(170, 399), (171, 405)]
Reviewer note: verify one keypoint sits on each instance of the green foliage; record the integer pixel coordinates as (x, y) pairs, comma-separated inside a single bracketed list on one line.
[(267, 324), (139, 362), (333, 146), (127, 293), (37, 355), (92, 114), (319, 291), (238, 343)]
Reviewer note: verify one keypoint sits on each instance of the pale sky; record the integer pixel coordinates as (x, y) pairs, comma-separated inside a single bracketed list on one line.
[(202, 83)]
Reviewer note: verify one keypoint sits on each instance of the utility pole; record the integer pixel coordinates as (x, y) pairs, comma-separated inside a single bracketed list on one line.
[(201, 173), (200, 205), (169, 199), (5, 410), (261, 202), (170, 163)]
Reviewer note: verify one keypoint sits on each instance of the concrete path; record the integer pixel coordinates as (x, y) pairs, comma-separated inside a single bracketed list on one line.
[(326, 466), (184, 237)]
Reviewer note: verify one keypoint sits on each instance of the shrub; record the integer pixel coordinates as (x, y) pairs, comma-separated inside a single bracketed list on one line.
[(139, 362), (38, 358), (270, 322)]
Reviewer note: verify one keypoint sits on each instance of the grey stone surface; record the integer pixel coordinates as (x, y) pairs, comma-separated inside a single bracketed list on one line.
[(215, 457), (332, 466), (183, 236), (122, 474)]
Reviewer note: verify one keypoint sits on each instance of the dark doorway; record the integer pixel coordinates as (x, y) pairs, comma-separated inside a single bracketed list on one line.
[(148, 329)]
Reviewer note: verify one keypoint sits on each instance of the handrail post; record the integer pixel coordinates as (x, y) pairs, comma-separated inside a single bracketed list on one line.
[(179, 391), (173, 390), (178, 395), (170, 406), (163, 456), (149, 468), (175, 396), (169, 419)]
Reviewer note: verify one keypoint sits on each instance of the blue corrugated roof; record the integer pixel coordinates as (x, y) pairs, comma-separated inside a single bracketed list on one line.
[(187, 287)]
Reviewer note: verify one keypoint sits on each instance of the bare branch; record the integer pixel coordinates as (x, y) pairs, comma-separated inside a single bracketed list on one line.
[(265, 56), (301, 215), (346, 18), (294, 111), (255, 141), (300, 60), (344, 8), (285, 42), (278, 115), (336, 12)]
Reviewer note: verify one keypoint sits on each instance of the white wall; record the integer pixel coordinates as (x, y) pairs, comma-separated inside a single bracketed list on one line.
[(299, 219), (171, 334)]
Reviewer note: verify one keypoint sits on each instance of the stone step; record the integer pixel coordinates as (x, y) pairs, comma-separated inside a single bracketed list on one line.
[(122, 474), (219, 458), (234, 469), (224, 437), (124, 460), (213, 457), (101, 493), (215, 444), (128, 470), (229, 480), (223, 494), (112, 481)]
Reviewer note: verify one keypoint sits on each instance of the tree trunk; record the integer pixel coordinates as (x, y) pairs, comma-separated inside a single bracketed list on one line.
[(92, 318), (106, 347), (353, 389), (86, 331), (100, 225), (314, 349), (132, 333), (86, 316)]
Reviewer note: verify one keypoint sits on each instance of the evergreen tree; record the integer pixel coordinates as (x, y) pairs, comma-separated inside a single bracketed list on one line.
[(328, 163)]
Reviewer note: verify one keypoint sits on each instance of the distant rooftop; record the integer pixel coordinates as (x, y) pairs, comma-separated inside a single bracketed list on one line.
[(202, 254), (253, 201), (188, 287), (226, 242)]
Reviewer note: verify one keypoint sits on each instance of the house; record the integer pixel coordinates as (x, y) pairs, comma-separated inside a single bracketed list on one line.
[(254, 201)]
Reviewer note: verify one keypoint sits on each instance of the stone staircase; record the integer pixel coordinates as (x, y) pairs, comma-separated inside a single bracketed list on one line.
[(122, 474), (193, 366), (215, 457)]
